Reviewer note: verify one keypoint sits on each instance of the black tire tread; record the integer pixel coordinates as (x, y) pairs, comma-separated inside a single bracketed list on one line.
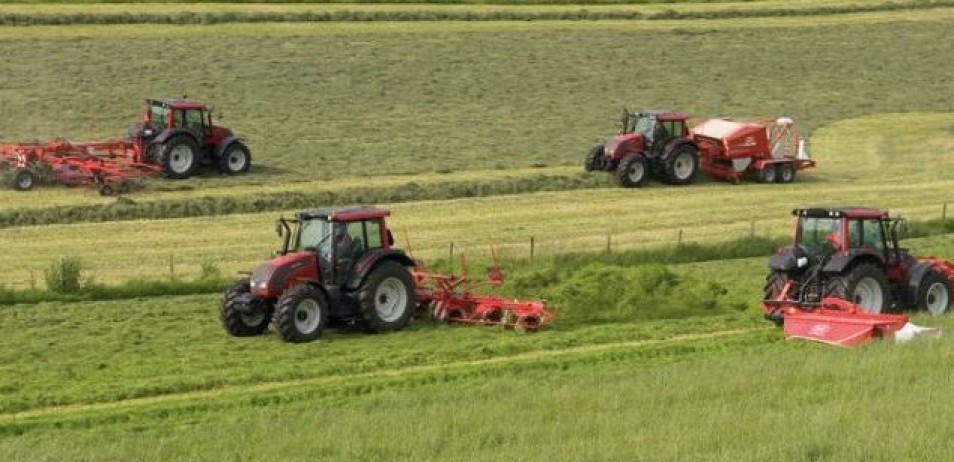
[(230, 315), (285, 314), (370, 320)]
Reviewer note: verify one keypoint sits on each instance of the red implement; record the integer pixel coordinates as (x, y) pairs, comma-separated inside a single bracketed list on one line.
[(450, 298)]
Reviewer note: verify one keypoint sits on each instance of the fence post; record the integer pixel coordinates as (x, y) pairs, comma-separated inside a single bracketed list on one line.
[(609, 243), (531, 250), (944, 212), (450, 255), (752, 229), (679, 239), (172, 266)]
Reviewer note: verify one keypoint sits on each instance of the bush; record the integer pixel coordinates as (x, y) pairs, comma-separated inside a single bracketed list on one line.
[(64, 275)]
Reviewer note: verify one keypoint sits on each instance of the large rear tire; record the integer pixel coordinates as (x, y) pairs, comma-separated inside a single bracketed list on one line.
[(235, 159), (180, 157), (681, 165), (594, 159), (633, 171), (301, 314), (386, 298), (236, 320), (934, 294), (864, 285)]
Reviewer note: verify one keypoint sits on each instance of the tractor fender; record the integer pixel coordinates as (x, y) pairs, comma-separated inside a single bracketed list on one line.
[(789, 258), (224, 144), (840, 262), (912, 281), (370, 260), (674, 143), (166, 135)]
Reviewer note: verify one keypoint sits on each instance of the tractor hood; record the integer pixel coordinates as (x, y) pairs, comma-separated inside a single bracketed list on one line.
[(270, 278), (623, 144)]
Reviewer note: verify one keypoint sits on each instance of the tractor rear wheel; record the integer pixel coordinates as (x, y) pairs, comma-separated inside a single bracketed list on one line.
[(236, 320), (768, 174), (633, 171), (786, 173), (386, 298), (594, 159), (864, 285), (301, 314), (23, 180), (681, 164), (235, 159), (180, 157), (934, 294)]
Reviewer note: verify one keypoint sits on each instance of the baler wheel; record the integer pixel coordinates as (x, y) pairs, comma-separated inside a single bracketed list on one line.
[(682, 164), (179, 157), (864, 285), (786, 173), (236, 321), (236, 159), (594, 159), (301, 314), (934, 294), (386, 298), (768, 174), (633, 171), (23, 180)]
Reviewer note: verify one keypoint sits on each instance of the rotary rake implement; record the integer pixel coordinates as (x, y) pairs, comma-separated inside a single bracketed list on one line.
[(452, 298), (109, 166)]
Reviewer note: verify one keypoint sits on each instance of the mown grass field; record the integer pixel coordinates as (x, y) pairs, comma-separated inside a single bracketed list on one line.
[(335, 106)]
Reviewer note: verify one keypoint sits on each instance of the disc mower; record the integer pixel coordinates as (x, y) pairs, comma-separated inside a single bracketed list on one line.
[(843, 274)]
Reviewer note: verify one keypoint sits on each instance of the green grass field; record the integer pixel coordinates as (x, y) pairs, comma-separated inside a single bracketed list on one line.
[(345, 106)]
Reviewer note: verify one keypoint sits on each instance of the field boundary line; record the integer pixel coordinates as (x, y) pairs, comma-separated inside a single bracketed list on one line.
[(265, 387)]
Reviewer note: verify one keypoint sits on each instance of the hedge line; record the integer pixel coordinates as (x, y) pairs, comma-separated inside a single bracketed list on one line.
[(128, 209), (22, 19)]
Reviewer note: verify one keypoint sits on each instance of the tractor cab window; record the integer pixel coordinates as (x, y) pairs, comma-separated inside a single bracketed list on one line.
[(373, 230), (311, 234), (644, 125), (673, 128), (193, 120), (157, 116), (873, 234), (813, 233)]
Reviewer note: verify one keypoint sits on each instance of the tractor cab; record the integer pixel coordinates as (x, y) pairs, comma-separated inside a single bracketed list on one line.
[(656, 128), (171, 115), (850, 231)]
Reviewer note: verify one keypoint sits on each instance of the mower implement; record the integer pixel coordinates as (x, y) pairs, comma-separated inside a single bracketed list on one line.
[(843, 274)]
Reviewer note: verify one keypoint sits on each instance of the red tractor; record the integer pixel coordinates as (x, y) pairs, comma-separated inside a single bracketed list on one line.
[(178, 136), (337, 265), (661, 145), (648, 144), (853, 254)]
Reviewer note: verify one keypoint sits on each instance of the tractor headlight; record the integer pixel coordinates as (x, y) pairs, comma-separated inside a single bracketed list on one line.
[(147, 132), (801, 262)]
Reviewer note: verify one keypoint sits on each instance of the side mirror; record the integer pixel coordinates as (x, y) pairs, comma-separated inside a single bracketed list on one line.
[(278, 227), (899, 228), (390, 238)]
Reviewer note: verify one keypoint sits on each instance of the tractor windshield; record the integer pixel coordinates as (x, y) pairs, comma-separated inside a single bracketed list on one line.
[(639, 123), (813, 233), (311, 234), (157, 115)]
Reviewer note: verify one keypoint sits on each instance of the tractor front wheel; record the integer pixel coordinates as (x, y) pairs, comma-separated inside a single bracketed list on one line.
[(681, 165), (236, 159), (179, 157), (633, 171), (301, 314), (386, 298), (235, 318), (23, 180), (864, 285), (934, 294), (774, 283), (594, 159)]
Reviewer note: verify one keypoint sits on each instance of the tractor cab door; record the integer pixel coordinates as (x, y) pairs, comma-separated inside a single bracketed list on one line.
[(662, 133), (192, 121), (352, 242)]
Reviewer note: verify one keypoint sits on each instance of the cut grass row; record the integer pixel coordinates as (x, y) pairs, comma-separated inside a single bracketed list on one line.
[(422, 13), (367, 100)]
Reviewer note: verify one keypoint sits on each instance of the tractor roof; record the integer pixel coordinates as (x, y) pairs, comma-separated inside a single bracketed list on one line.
[(839, 212), (666, 115), (176, 103), (344, 213)]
